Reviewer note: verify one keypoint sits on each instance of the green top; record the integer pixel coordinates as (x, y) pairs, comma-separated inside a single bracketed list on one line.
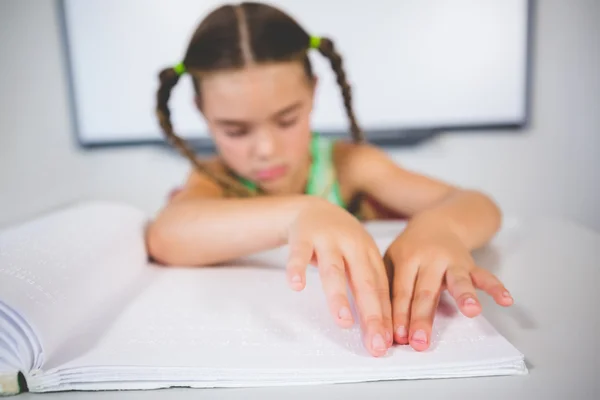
[(322, 179)]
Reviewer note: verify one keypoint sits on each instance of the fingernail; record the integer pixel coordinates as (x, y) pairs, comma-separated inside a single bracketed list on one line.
[(470, 301), (506, 294), (419, 336), (378, 343), (345, 313), (296, 279), (401, 332)]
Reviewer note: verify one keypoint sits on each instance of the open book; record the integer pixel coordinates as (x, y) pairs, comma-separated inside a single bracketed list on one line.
[(82, 308)]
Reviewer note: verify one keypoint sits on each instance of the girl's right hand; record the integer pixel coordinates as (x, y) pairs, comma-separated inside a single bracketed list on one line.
[(344, 252)]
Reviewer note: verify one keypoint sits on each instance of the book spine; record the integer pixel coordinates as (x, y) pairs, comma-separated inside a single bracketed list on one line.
[(9, 384)]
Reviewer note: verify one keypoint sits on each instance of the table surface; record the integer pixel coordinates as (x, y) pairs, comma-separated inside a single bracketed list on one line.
[(552, 268)]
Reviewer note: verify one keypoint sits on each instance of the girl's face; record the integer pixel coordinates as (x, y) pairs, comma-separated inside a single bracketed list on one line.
[(259, 118)]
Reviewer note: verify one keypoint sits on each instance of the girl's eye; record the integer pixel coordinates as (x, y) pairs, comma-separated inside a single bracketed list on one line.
[(288, 122), (237, 133)]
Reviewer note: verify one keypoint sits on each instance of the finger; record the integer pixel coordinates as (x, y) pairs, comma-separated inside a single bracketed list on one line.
[(424, 304), (405, 275), (366, 290), (386, 304), (462, 290), (486, 281), (301, 253), (333, 279)]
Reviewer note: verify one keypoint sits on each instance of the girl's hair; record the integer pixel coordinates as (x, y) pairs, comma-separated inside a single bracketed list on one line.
[(234, 36)]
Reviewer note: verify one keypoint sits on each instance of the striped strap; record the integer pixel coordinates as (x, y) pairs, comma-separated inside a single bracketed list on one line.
[(322, 181)]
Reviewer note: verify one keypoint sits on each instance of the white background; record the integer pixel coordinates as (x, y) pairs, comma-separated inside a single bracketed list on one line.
[(411, 63), (550, 169)]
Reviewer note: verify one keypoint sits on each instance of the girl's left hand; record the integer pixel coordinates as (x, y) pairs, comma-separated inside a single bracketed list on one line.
[(426, 259)]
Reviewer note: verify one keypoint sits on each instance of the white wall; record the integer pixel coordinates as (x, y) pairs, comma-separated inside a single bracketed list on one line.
[(551, 169)]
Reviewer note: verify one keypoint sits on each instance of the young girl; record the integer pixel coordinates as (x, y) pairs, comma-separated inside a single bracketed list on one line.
[(275, 182)]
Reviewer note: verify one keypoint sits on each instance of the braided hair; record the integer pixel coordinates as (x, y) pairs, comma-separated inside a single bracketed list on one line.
[(235, 36)]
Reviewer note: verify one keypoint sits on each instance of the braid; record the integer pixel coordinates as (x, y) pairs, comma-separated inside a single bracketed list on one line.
[(358, 205), (168, 79), (327, 49)]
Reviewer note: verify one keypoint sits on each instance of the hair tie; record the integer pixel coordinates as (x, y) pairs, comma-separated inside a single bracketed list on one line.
[(315, 42), (179, 69)]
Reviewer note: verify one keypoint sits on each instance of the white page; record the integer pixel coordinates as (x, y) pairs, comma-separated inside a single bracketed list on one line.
[(242, 324), (69, 270), (15, 347)]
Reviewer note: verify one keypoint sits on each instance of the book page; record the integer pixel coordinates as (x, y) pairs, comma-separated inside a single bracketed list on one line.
[(70, 270), (16, 346), (237, 323)]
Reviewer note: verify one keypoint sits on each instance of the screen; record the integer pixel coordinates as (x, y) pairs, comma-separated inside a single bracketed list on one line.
[(411, 63)]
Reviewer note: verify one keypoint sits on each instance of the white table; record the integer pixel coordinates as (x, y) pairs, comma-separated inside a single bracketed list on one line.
[(552, 268)]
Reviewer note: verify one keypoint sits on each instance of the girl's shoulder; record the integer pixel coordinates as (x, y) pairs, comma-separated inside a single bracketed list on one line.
[(361, 167), (199, 182), (342, 154), (355, 162)]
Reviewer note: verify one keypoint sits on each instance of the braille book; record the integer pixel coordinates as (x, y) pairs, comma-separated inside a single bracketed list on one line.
[(83, 307)]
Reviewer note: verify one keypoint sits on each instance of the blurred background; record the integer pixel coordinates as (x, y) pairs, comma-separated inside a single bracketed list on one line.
[(546, 166)]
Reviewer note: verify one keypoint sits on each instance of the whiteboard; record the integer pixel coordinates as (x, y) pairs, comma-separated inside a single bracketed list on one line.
[(431, 64)]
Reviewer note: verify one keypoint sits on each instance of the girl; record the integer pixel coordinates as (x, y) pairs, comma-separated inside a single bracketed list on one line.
[(274, 181)]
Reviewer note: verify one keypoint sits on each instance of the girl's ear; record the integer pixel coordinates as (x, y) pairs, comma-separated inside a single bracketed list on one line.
[(313, 88), (198, 101)]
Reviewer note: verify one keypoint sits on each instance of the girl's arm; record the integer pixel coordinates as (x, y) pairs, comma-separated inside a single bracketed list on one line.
[(200, 227), (471, 215)]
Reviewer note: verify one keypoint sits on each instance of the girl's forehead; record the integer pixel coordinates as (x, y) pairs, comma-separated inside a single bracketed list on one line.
[(257, 88), (272, 76)]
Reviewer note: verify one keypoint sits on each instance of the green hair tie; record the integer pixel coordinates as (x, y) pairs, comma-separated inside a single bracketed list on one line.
[(179, 69), (315, 42)]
